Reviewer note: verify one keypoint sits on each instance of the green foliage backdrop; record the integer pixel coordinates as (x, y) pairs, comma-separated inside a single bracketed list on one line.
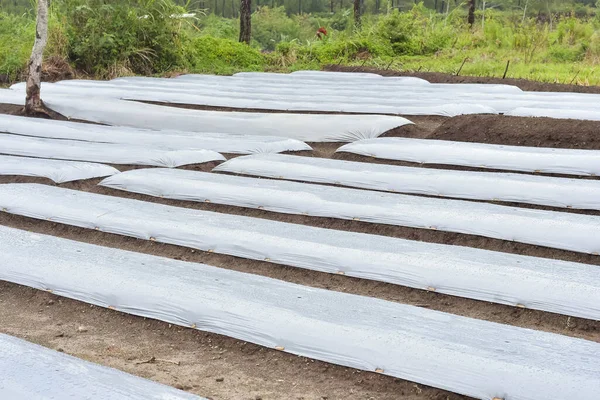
[(547, 40)]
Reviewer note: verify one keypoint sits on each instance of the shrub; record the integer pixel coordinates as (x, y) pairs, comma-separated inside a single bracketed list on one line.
[(222, 56), (16, 40), (138, 36)]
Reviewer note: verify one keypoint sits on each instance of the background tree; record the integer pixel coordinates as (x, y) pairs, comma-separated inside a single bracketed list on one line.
[(33, 102), (357, 12), (471, 18), (245, 21)]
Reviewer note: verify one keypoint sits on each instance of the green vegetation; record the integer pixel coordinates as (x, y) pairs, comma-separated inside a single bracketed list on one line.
[(553, 41)]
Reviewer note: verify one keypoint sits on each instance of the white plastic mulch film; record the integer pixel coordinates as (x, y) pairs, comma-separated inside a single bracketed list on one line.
[(305, 127), (548, 112), (480, 155), (540, 190), (262, 100), (551, 285), (473, 357), (13, 97), (165, 139), (32, 372), (58, 171), (559, 230), (110, 153), (343, 94)]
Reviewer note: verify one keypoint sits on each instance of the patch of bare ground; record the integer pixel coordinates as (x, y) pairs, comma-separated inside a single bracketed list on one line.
[(218, 367), (521, 131), (210, 365)]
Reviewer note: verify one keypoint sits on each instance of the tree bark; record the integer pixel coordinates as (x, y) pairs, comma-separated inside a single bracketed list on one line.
[(471, 18), (245, 21), (33, 102), (356, 13)]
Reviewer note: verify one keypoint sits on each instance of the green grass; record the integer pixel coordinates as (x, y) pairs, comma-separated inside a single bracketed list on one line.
[(139, 37)]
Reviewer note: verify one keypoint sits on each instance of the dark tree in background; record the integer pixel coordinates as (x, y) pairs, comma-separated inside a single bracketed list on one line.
[(357, 10), (471, 18), (245, 21)]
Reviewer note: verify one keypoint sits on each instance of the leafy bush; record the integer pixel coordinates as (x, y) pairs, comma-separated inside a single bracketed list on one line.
[(222, 56), (138, 36), (16, 40)]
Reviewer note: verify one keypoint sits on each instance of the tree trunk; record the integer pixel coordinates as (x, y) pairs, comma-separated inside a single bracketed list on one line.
[(331, 6), (471, 18), (33, 102), (245, 21), (356, 13)]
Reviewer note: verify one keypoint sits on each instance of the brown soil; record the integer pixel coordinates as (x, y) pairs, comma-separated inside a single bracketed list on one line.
[(210, 365), (11, 109), (223, 368), (437, 77), (520, 131)]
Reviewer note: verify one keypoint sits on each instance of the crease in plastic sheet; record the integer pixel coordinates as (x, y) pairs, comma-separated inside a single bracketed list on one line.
[(305, 127), (537, 283), (166, 139), (480, 155), (102, 152), (251, 192), (234, 100), (58, 171), (468, 356), (30, 371)]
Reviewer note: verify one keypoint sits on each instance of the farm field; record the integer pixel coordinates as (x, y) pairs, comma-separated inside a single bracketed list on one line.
[(244, 243)]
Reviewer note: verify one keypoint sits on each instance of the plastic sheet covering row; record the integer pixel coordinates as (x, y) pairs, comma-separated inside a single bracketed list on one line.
[(592, 115), (32, 372), (376, 98), (559, 230), (313, 128), (58, 171), (349, 98), (557, 192), (473, 357), (281, 97), (289, 103), (13, 97), (368, 90), (551, 285), (102, 152), (513, 158), (166, 139), (314, 76), (345, 77), (520, 188), (501, 98)]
